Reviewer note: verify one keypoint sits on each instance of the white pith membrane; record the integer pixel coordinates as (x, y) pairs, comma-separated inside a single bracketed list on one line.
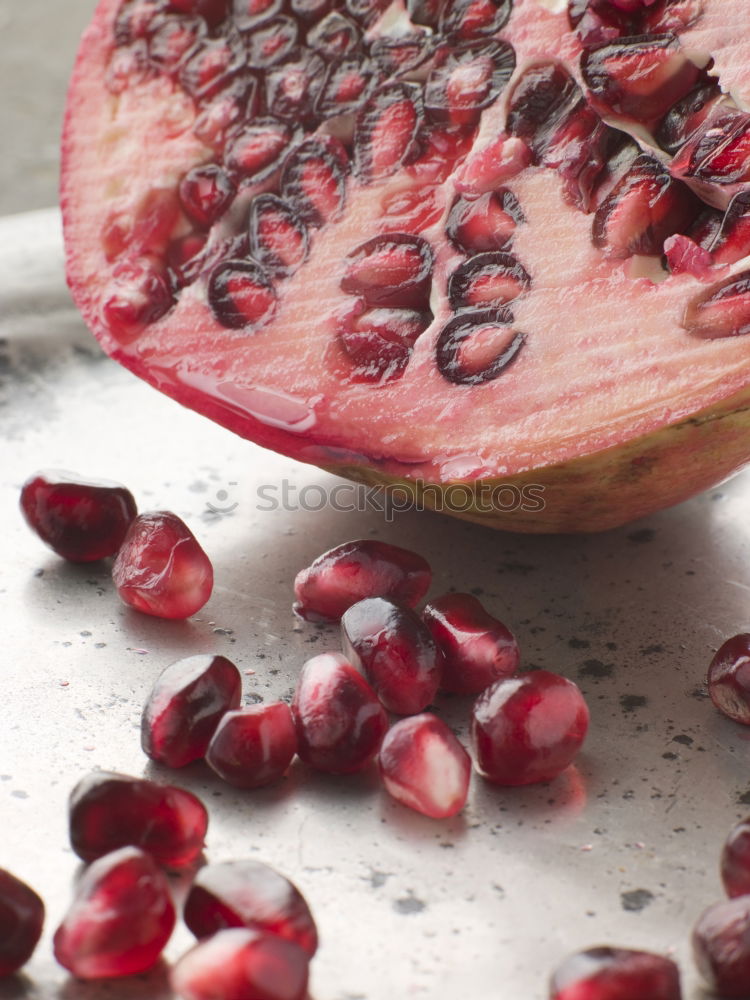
[(606, 358)]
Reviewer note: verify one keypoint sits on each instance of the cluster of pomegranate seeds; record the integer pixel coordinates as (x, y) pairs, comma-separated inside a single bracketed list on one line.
[(21, 922), (606, 973), (729, 678), (253, 746), (108, 811), (81, 519)]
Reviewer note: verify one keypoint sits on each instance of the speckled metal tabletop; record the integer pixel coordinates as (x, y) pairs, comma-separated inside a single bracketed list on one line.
[(622, 848)]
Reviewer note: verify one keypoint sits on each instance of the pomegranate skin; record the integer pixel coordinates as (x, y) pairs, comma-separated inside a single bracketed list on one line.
[(81, 519), (186, 705), (607, 973), (729, 678), (21, 921), (735, 860), (721, 947), (253, 746), (528, 728), (107, 811)]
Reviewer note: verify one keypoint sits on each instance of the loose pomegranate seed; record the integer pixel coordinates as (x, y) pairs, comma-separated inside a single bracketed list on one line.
[(340, 722), (80, 519), (242, 963), (466, 79), (292, 87), (249, 894), (186, 705), (616, 974), (314, 179), (212, 65), (395, 651), (205, 192), (478, 346), (21, 921), (278, 236), (400, 54), (161, 569), (529, 728), (729, 678), (477, 648), (334, 36), (721, 947), (485, 223), (257, 150), (120, 920), (253, 746), (465, 20), (349, 80), (138, 296), (688, 115), (735, 860), (722, 311), (424, 766), (107, 811), (380, 341), (355, 570), (386, 130), (392, 270), (271, 43), (241, 295), (487, 280)]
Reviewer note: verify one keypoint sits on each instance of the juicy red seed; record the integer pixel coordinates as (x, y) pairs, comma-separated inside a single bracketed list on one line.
[(107, 811), (395, 651), (484, 223), (228, 110), (121, 918), (640, 78), (684, 256), (380, 341), (253, 746), (386, 130), (393, 270), (256, 151), (466, 20), (425, 767), (137, 20), (271, 43), (487, 280), (718, 151), (334, 36), (729, 678), (411, 211), (366, 12), (278, 237), (161, 569), (732, 242), (735, 860), (186, 705), (722, 311), (477, 648), (721, 947), (214, 64), (205, 193), (314, 179), (402, 53), (673, 15), (249, 894), (478, 346), (348, 83), (173, 40), (21, 921), (293, 86), (138, 296), (615, 974), (528, 728), (687, 116), (339, 721), (240, 962), (241, 295), (80, 519), (643, 209), (466, 79), (249, 14)]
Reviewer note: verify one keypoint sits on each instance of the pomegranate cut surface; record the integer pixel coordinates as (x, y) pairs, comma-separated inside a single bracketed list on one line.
[(21, 920), (588, 140)]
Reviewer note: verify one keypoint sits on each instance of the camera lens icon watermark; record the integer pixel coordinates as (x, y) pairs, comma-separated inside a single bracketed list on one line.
[(223, 507)]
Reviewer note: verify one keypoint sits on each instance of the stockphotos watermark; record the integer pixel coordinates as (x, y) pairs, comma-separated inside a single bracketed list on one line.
[(455, 498)]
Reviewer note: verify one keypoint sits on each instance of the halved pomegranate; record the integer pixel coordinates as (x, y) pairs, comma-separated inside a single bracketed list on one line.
[(262, 167)]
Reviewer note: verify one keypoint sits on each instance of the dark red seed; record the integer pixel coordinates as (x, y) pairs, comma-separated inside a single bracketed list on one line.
[(241, 295), (253, 746), (339, 578), (386, 130), (173, 40), (161, 569), (347, 85), (138, 295), (598, 21), (718, 152), (249, 894), (467, 20), (487, 280), (313, 179), (688, 115), (379, 342), (225, 114), (80, 519), (278, 236), (186, 705), (334, 36), (393, 270), (484, 223), (729, 678), (721, 947), (107, 811), (732, 242), (212, 66), (121, 918), (478, 346), (466, 79), (240, 962), (272, 43), (205, 193), (21, 921), (722, 311), (528, 728), (257, 150), (395, 651), (616, 974), (735, 860), (249, 14), (137, 20), (213, 11), (477, 648), (292, 87), (366, 12)]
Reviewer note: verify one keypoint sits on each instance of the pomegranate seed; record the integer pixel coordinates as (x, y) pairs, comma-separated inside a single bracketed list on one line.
[(161, 569), (732, 242), (249, 14), (386, 130), (253, 746), (401, 54), (21, 921), (477, 346), (186, 705), (379, 341), (222, 116), (272, 42), (348, 82), (314, 179), (175, 38), (706, 227), (205, 193), (466, 79), (80, 519), (684, 256), (616, 974), (729, 678), (340, 722), (498, 161), (107, 811), (334, 36), (242, 963), (241, 295), (355, 570), (528, 728), (393, 270), (735, 860), (213, 11), (485, 223), (212, 65), (249, 894), (278, 237), (424, 766), (717, 152), (722, 311), (721, 947), (409, 210), (185, 257), (395, 651), (487, 280), (256, 151), (687, 116), (292, 87), (137, 20), (466, 20), (477, 648), (138, 296), (120, 920)]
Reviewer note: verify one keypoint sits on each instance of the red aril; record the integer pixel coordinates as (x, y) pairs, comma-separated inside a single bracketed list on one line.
[(424, 766), (253, 895), (21, 921), (161, 569), (729, 678), (107, 811), (80, 519), (253, 746), (721, 947), (735, 860), (186, 705), (607, 973)]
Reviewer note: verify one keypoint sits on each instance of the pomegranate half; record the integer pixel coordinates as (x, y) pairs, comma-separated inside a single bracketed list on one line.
[(490, 251)]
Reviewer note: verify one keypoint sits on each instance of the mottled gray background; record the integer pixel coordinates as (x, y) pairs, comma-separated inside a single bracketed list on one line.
[(38, 41)]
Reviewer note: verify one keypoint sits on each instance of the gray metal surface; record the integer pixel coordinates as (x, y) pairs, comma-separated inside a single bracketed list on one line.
[(623, 848)]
